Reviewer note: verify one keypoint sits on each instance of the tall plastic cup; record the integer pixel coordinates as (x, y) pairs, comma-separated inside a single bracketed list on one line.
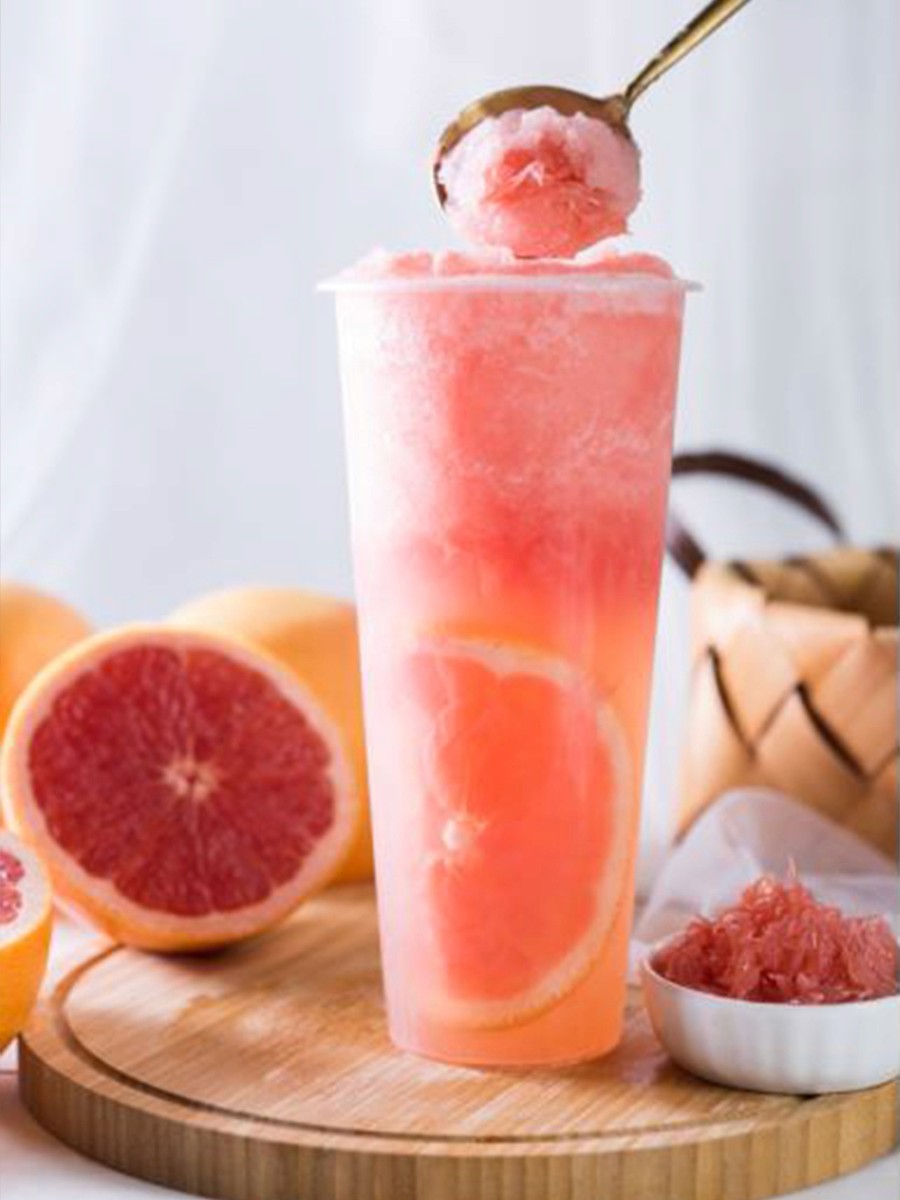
[(509, 443)]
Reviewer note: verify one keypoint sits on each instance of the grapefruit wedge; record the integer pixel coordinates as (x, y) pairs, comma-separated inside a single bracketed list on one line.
[(527, 821), (25, 919), (184, 789)]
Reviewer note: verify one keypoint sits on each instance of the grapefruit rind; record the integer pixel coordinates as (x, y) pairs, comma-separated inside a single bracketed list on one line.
[(98, 900), (24, 941), (505, 659), (36, 627)]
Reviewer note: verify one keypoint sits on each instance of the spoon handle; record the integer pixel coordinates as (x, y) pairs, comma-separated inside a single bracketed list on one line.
[(699, 28)]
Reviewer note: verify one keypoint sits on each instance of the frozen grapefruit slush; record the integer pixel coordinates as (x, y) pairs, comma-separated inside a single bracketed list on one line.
[(539, 183), (509, 431)]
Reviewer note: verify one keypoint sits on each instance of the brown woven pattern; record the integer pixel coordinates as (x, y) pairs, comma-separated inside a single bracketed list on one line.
[(794, 686)]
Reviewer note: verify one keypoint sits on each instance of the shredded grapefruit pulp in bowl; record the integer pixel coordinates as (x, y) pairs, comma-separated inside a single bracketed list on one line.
[(778, 944)]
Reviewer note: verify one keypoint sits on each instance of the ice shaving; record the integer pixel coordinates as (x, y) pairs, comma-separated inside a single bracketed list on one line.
[(541, 183)]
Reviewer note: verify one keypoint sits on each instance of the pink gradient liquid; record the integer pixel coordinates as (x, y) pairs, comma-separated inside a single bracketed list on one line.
[(509, 442)]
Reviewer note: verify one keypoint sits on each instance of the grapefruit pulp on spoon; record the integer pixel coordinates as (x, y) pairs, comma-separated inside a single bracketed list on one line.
[(184, 789), (527, 822), (25, 918)]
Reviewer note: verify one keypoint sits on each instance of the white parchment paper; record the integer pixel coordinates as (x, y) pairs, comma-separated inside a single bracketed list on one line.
[(753, 831)]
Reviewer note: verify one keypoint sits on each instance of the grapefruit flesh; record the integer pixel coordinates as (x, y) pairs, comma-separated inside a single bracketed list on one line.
[(25, 920), (315, 637), (184, 790), (779, 945), (34, 628), (526, 821)]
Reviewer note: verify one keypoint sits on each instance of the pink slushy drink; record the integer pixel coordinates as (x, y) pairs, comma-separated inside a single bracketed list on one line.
[(509, 431)]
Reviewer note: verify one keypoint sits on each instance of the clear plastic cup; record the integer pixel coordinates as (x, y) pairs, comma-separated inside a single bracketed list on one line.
[(509, 442)]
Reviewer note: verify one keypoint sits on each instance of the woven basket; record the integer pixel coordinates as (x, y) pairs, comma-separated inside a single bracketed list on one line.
[(794, 670)]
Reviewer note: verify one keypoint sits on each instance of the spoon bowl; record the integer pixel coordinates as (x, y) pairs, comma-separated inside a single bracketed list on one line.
[(613, 110)]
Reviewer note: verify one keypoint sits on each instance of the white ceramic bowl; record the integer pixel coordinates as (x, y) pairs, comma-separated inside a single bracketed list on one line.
[(801, 1049)]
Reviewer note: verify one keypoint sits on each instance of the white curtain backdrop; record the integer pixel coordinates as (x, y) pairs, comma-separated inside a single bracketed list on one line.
[(177, 175)]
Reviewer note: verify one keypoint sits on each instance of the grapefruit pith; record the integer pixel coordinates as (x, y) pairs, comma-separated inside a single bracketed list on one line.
[(184, 789), (315, 637), (527, 824), (34, 628), (25, 920)]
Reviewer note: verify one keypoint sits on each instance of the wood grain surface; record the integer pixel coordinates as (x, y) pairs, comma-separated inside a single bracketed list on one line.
[(265, 1073)]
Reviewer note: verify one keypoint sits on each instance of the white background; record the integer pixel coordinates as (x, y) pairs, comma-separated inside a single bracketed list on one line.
[(177, 175)]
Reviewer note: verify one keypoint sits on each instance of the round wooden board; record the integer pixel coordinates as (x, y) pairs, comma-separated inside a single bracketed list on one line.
[(265, 1073)]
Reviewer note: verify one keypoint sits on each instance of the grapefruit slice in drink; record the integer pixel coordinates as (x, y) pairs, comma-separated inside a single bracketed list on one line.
[(184, 789), (25, 919), (527, 822)]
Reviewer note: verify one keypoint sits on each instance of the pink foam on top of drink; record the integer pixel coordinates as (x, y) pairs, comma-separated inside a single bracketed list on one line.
[(566, 364), (423, 264), (779, 944), (541, 184)]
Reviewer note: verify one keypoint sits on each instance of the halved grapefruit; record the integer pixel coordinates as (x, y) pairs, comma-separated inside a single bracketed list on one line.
[(527, 825), (184, 789), (315, 637), (25, 920)]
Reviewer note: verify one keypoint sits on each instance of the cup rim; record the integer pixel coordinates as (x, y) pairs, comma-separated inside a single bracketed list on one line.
[(570, 281)]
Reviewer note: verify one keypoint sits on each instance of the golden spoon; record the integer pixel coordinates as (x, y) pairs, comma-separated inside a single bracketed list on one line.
[(614, 110)]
